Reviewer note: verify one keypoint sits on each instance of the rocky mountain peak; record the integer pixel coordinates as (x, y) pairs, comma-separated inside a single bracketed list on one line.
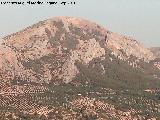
[(48, 50)]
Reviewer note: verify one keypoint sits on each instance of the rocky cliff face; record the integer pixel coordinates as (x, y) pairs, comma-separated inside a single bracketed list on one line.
[(69, 68)]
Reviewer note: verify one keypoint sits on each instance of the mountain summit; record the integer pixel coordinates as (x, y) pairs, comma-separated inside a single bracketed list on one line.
[(71, 68)]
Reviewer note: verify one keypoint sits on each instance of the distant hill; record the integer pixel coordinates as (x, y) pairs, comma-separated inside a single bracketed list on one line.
[(156, 51)]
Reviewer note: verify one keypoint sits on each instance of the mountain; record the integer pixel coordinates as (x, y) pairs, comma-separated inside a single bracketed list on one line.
[(71, 68)]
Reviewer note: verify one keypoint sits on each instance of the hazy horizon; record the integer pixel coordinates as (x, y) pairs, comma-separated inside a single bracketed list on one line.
[(138, 19)]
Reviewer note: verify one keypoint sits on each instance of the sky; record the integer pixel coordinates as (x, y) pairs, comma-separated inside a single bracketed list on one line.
[(139, 19)]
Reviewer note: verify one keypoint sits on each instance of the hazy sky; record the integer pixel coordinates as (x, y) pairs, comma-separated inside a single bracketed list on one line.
[(139, 19)]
